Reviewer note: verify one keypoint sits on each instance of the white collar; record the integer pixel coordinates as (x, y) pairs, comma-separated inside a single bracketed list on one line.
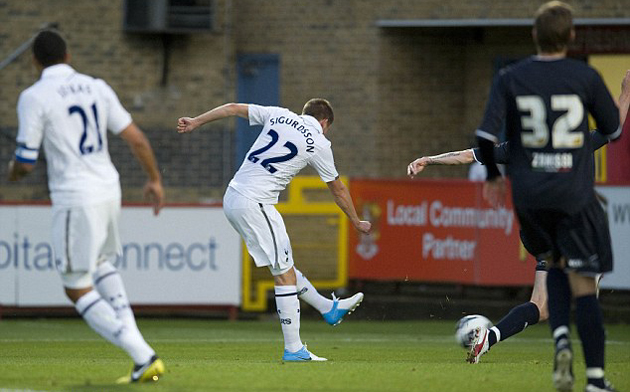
[(312, 121), (548, 58), (57, 70)]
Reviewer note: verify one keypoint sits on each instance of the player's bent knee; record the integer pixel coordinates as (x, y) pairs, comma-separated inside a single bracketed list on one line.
[(75, 294), (77, 284), (283, 276)]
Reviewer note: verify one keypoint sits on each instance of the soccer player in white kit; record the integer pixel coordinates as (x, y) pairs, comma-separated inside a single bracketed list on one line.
[(287, 143), (69, 113)]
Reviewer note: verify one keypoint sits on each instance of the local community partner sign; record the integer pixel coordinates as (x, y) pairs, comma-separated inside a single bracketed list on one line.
[(436, 231), (443, 231), (186, 255)]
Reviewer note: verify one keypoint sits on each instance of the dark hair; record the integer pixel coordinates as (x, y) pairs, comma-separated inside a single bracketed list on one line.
[(553, 26), (49, 48), (320, 109)]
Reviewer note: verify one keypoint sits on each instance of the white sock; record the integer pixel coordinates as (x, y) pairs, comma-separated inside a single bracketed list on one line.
[(110, 286), (497, 333), (102, 318), (309, 294), (288, 307)]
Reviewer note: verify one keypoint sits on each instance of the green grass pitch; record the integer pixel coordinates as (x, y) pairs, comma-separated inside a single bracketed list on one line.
[(209, 355)]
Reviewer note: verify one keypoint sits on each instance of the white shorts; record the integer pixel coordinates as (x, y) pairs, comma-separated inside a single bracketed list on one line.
[(82, 237), (262, 228)]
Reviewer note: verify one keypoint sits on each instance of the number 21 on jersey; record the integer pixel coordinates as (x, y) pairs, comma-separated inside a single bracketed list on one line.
[(84, 146)]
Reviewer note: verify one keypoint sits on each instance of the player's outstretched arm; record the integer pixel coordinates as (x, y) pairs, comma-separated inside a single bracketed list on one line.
[(448, 158), (343, 199), (189, 124), (141, 148)]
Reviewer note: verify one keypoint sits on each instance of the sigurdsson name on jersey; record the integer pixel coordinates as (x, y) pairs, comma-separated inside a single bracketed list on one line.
[(297, 125), (552, 162)]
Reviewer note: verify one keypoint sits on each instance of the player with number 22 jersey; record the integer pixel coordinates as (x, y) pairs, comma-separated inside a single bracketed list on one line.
[(286, 144)]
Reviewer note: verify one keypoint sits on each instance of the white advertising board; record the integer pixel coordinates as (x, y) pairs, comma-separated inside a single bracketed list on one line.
[(186, 255), (618, 210)]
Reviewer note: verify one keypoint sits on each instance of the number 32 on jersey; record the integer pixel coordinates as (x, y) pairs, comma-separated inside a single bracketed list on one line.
[(562, 135)]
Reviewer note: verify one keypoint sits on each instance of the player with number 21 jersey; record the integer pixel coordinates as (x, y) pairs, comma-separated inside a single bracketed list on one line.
[(79, 107)]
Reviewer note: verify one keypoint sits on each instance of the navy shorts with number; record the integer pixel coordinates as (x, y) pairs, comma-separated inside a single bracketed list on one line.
[(583, 238)]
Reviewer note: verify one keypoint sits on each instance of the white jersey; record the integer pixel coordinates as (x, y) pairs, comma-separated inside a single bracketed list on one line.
[(286, 144), (69, 113)]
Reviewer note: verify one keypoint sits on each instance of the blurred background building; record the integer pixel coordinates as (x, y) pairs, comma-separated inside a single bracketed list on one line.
[(406, 78)]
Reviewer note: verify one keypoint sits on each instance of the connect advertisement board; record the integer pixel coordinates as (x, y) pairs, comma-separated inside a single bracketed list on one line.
[(443, 231), (186, 255)]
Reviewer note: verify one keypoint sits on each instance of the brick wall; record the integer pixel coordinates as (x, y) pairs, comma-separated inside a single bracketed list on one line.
[(397, 93)]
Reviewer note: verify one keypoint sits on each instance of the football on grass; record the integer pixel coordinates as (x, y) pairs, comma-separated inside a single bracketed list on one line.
[(465, 330)]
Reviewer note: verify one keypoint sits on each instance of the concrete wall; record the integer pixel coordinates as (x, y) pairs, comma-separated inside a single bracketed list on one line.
[(397, 92)]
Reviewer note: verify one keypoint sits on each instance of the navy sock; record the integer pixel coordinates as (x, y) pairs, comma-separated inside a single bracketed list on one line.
[(590, 326), (515, 321), (559, 303)]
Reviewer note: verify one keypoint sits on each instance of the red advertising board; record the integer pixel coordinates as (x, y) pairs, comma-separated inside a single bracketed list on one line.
[(436, 231)]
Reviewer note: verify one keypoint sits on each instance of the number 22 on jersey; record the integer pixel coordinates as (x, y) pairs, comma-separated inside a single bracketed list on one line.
[(267, 163), (84, 147)]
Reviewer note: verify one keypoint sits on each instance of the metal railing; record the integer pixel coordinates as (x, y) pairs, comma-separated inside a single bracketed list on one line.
[(24, 47)]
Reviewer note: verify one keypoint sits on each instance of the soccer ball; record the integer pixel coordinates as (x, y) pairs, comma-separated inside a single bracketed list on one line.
[(465, 330)]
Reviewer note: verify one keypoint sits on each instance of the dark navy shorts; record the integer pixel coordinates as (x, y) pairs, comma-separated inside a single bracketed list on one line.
[(582, 239)]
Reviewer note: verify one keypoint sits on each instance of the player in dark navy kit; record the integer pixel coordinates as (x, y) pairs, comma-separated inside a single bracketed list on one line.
[(525, 314), (545, 101)]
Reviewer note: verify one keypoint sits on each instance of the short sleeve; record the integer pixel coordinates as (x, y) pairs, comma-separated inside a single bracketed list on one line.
[(494, 114), (324, 163), (501, 154), (30, 128), (258, 115), (598, 140), (117, 117), (477, 155)]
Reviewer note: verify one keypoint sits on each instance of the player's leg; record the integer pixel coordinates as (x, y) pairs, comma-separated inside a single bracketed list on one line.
[(590, 327), (586, 241), (288, 308), (332, 310), (559, 293), (78, 235), (109, 284), (523, 315), (286, 291), (264, 233), (519, 318), (107, 279)]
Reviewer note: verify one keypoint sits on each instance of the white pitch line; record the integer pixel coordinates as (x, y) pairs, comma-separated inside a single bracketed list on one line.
[(273, 340)]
